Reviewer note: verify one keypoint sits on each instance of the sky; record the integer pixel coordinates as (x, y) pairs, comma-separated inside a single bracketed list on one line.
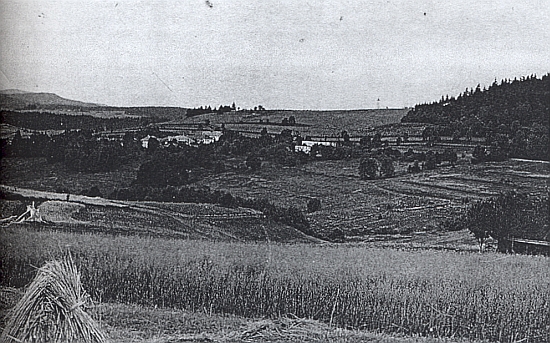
[(280, 54)]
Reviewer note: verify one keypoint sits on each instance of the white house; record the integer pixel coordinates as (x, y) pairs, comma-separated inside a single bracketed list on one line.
[(145, 141), (209, 136), (324, 143), (179, 139), (302, 148)]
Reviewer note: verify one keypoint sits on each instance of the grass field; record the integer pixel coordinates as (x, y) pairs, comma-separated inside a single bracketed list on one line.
[(405, 204), (316, 123), (428, 293)]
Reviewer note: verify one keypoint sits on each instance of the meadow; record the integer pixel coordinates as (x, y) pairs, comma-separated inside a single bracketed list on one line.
[(429, 293)]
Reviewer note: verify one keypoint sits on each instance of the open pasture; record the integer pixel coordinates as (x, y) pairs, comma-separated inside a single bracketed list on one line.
[(428, 293)]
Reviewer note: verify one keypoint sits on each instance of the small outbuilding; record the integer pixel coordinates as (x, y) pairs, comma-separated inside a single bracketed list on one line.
[(524, 246)]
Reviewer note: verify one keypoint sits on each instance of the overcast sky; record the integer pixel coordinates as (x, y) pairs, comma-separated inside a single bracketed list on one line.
[(281, 54)]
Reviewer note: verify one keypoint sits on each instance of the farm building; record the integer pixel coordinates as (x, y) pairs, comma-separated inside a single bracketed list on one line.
[(302, 148), (179, 139), (524, 246), (307, 144), (310, 143), (209, 136), (145, 141)]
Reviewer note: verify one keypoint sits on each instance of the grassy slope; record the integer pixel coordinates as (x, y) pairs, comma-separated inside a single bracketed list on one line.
[(404, 204)]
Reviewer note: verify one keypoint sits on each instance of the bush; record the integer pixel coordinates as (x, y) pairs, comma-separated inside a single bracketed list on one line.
[(313, 205), (372, 168), (368, 168), (253, 162)]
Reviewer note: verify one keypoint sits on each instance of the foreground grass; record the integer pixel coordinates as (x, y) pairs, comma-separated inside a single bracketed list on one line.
[(132, 323), (428, 293)]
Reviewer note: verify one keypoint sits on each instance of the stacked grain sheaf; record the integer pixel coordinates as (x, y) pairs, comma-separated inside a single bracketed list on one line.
[(52, 309)]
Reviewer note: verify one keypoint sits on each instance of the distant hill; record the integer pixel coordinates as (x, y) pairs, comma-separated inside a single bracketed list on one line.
[(15, 99), (13, 91), (22, 102)]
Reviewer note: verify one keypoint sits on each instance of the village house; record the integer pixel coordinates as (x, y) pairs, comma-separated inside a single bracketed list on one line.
[(302, 148), (179, 139), (308, 144), (208, 136), (145, 141)]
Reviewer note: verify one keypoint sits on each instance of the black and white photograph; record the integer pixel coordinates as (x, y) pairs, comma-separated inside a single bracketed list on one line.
[(274, 171)]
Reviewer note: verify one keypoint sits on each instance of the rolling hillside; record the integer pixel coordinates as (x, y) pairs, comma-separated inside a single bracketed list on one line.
[(169, 220)]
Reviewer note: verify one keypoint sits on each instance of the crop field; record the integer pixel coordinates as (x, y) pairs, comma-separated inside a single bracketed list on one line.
[(404, 204), (331, 123), (428, 293)]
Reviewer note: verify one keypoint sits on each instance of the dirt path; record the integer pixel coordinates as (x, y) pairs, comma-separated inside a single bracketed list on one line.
[(532, 161)]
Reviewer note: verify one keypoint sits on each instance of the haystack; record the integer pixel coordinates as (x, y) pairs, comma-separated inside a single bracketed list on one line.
[(52, 309), (33, 215)]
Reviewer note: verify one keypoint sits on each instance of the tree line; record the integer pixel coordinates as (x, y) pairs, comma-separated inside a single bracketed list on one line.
[(195, 111), (54, 121)]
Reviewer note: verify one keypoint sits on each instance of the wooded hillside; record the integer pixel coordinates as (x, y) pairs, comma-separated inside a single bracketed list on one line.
[(518, 109)]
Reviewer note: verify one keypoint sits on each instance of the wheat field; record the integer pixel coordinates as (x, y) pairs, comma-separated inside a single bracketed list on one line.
[(432, 293)]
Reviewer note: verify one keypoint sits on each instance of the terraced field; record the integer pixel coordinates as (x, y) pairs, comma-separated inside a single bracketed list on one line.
[(356, 122), (403, 204), (171, 220)]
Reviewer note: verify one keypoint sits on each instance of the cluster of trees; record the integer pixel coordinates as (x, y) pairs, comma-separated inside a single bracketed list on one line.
[(34, 146), (54, 121), (376, 167), (291, 216), (430, 159), (222, 109), (288, 121), (79, 151), (278, 149), (509, 215), (516, 110), (177, 166), (379, 163), (371, 142)]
